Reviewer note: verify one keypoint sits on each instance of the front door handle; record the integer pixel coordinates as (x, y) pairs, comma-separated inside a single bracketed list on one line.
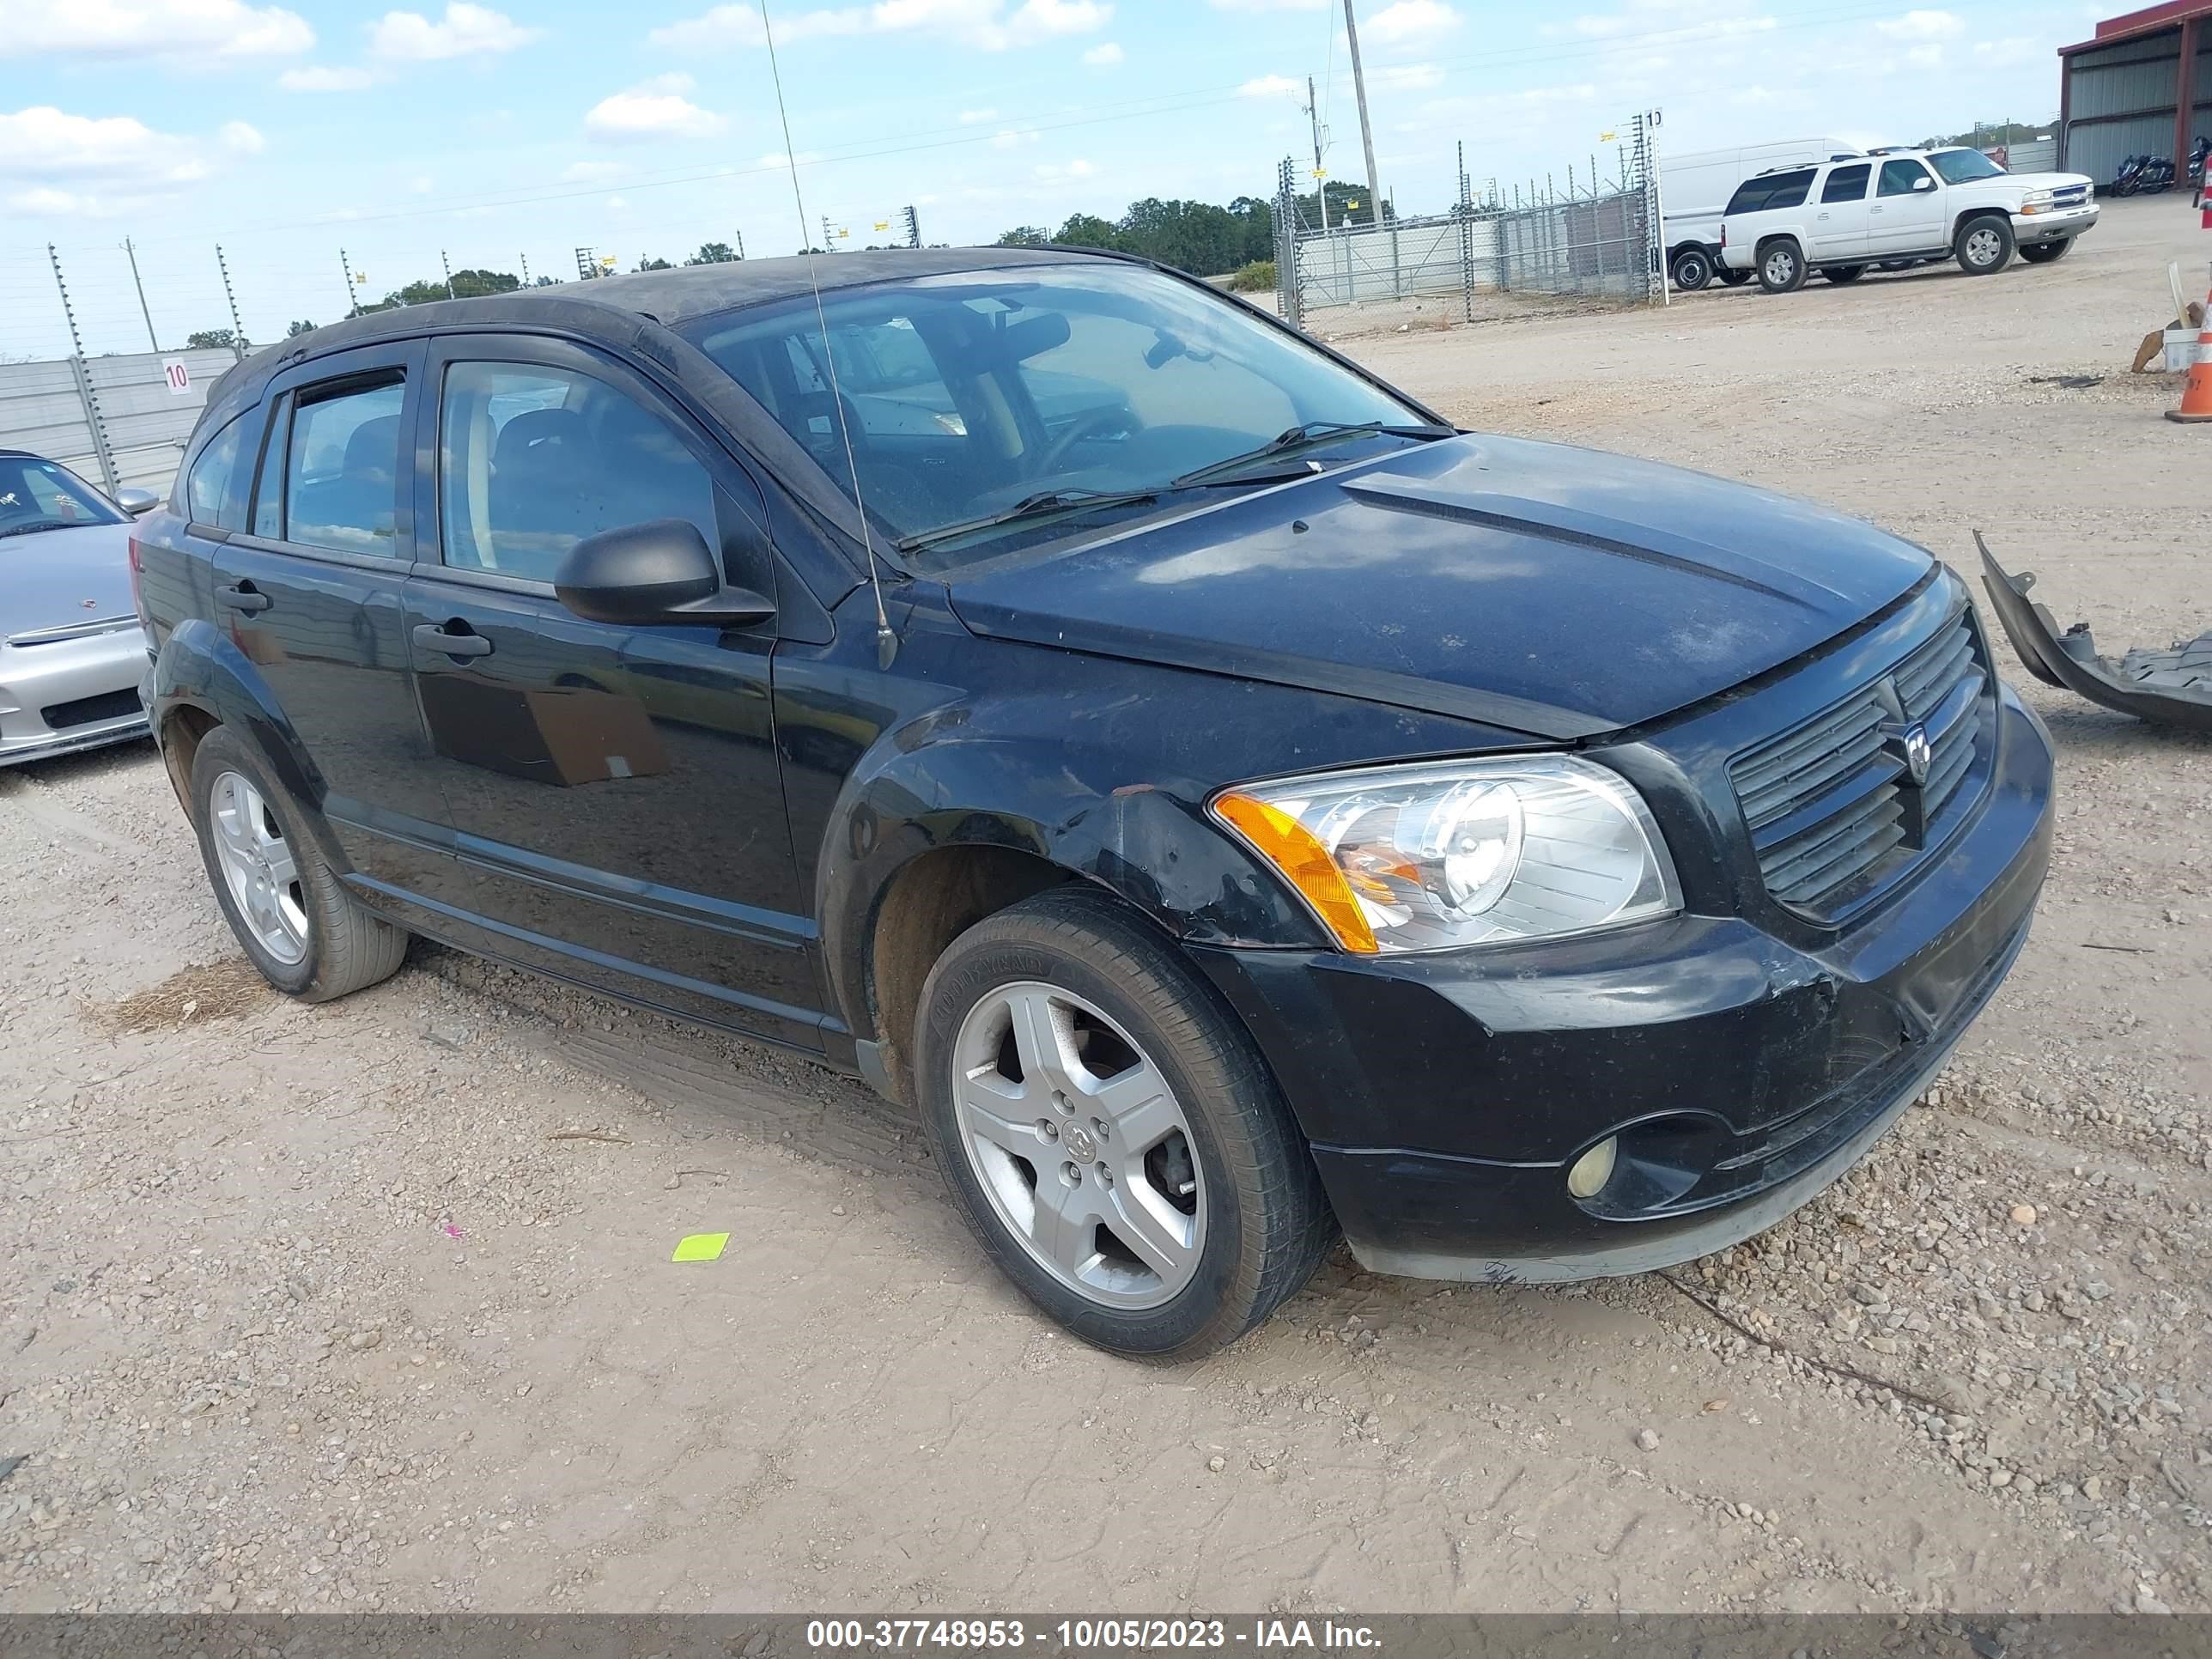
[(244, 597), (433, 638)]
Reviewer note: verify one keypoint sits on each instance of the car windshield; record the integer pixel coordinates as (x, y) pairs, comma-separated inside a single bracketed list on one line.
[(1960, 166), (36, 495), (990, 407)]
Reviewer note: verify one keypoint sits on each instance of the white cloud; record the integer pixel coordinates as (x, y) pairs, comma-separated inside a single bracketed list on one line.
[(1105, 55), (409, 36), (1061, 173), (96, 166), (1924, 26), (321, 77), (652, 109), (969, 118), (1410, 19), (1268, 5), (240, 139), (615, 204), (986, 24), (776, 158), (133, 28), (1271, 86), (1927, 56), (2011, 51)]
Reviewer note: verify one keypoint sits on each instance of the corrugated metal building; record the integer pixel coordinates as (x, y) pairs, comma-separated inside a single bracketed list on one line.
[(2142, 86)]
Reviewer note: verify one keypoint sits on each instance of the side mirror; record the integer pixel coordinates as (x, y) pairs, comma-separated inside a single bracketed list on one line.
[(660, 571), (1923, 182), (136, 502)]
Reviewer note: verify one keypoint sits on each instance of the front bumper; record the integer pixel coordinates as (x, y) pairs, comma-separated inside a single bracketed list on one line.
[(2029, 229), (63, 695), (1752, 1061)]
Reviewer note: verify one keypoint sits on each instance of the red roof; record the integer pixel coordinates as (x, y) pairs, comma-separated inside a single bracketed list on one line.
[(2149, 20)]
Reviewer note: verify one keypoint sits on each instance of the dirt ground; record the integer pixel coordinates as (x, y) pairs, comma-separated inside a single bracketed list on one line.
[(313, 1308)]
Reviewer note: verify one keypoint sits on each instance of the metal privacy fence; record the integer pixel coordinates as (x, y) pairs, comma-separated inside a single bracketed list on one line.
[(1483, 260), (120, 421)]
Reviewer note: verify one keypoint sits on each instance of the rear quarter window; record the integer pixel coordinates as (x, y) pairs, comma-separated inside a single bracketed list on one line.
[(206, 482), (1771, 190), (1790, 189)]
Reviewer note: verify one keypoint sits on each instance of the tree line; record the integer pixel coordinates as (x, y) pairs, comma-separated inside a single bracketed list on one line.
[(1199, 236)]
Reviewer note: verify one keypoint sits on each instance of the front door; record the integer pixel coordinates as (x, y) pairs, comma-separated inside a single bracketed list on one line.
[(614, 792), (1840, 222), (309, 594), (1906, 213)]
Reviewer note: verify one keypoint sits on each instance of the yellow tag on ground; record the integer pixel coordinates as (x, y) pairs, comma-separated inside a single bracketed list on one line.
[(700, 1247)]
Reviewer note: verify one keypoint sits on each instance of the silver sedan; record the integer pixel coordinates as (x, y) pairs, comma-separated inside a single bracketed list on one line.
[(71, 651)]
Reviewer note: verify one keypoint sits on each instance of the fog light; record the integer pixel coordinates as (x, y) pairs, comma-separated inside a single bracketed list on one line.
[(1587, 1175)]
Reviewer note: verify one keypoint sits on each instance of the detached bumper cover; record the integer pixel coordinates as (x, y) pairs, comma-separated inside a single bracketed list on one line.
[(1445, 1094)]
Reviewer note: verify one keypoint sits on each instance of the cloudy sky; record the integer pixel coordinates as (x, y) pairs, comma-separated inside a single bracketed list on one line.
[(290, 133)]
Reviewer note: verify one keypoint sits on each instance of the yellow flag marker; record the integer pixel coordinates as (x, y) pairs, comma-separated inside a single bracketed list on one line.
[(700, 1247)]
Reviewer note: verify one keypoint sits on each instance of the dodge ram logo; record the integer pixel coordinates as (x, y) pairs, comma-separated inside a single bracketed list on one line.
[(1918, 754)]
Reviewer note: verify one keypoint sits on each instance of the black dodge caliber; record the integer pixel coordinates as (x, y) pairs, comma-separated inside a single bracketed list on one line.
[(1226, 803)]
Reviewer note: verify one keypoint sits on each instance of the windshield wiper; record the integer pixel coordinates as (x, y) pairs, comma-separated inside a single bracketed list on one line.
[(41, 524), (1309, 435), (1041, 505)]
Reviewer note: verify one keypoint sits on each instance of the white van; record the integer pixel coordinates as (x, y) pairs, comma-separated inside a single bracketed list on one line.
[(1695, 192)]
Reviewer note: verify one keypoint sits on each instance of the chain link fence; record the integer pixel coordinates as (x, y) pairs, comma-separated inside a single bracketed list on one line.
[(1485, 259)]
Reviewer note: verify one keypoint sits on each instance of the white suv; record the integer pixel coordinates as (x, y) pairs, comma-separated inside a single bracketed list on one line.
[(1899, 208)]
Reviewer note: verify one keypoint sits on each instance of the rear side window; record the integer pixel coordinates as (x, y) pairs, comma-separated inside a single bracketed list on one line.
[(1771, 190), (341, 469), (1900, 178), (1847, 184), (532, 460), (207, 486)]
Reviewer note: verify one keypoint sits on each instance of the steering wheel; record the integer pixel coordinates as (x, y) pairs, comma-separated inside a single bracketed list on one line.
[(1076, 431)]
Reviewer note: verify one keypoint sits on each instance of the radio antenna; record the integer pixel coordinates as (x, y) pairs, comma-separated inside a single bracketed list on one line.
[(886, 641)]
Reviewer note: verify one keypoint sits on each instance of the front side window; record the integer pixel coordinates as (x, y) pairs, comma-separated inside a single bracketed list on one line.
[(1960, 167), (1900, 178), (208, 484), (969, 393), (531, 460), (39, 494), (1847, 184), (342, 470)]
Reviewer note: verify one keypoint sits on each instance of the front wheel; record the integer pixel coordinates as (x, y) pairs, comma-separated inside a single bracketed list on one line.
[(1109, 1131), (1781, 268), (1984, 245), (1842, 273), (309, 937), (1692, 270), (2046, 253)]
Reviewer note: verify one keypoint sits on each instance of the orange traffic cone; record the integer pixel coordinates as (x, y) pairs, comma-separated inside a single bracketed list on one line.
[(2196, 391)]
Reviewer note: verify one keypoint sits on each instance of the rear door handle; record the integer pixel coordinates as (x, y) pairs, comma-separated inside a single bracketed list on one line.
[(244, 597), (433, 638)]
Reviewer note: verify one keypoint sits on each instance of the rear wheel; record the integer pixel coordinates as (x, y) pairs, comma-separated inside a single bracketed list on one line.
[(307, 935), (1693, 269), (1781, 267), (1842, 273), (1109, 1131), (2046, 253), (1984, 245)]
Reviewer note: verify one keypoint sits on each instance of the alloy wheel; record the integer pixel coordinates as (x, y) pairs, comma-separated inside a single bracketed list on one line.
[(259, 868), (1079, 1144), (1781, 266), (1984, 246)]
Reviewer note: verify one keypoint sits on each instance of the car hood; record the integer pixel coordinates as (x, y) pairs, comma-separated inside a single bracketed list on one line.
[(2040, 180), (1554, 591), (54, 578)]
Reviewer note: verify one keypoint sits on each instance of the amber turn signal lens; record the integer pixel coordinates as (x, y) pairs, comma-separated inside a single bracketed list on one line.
[(1292, 848)]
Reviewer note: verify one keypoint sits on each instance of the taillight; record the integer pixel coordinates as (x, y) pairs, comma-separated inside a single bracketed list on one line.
[(137, 586)]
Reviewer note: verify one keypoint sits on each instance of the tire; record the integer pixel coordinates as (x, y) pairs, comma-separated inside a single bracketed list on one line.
[(2046, 253), (1984, 247), (307, 935), (1693, 269), (1198, 1160), (1731, 278), (1840, 274), (1781, 267)]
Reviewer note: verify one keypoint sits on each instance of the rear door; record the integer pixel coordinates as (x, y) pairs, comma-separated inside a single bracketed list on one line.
[(1906, 214), (1840, 224), (613, 794), (310, 595)]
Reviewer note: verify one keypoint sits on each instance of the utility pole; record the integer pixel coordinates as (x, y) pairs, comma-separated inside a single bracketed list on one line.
[(150, 339), (1321, 180), (740, 235), (912, 227), (345, 266), (828, 242), (237, 328), (526, 270), (1359, 91), (85, 394), (448, 264)]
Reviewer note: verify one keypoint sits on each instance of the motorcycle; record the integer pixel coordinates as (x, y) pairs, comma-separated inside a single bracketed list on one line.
[(2199, 154), (2158, 175), (2127, 179)]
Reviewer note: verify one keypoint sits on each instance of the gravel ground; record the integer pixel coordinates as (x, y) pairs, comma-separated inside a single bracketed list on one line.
[(369, 1306)]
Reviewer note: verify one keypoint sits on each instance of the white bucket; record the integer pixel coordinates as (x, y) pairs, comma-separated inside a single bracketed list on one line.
[(2181, 350)]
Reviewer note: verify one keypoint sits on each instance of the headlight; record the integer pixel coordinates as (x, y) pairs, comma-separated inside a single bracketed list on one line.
[(2036, 201), (1431, 857)]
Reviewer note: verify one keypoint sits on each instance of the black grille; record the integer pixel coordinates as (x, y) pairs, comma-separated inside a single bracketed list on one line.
[(1834, 808), (88, 711)]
